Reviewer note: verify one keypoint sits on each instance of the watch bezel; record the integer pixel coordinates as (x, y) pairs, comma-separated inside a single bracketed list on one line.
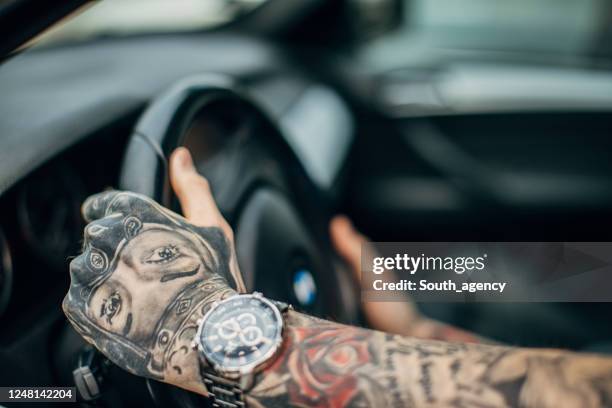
[(252, 367)]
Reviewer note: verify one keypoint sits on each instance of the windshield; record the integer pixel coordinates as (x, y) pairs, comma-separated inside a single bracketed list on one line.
[(121, 17), (567, 26), (572, 27), (574, 31)]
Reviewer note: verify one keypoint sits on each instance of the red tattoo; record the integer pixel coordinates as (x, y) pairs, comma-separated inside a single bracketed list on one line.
[(452, 334), (322, 362)]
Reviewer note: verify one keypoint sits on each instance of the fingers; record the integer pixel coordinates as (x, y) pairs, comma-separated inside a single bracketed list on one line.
[(348, 242), (193, 192), (191, 188), (113, 202), (392, 317), (198, 203), (95, 206)]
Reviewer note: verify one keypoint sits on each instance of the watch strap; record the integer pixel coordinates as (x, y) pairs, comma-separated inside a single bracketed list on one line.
[(223, 393), (282, 306)]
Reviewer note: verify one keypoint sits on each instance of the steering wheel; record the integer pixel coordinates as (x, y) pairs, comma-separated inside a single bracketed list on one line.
[(280, 218)]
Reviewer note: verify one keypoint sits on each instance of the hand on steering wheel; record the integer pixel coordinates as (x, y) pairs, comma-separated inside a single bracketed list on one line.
[(391, 317), (146, 275)]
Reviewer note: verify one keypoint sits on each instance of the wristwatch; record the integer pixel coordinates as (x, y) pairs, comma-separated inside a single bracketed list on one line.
[(238, 337)]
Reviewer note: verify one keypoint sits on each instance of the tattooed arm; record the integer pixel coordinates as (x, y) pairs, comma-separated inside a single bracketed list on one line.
[(146, 275), (332, 365)]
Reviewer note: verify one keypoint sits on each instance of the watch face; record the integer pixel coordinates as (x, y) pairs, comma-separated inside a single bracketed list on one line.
[(241, 331)]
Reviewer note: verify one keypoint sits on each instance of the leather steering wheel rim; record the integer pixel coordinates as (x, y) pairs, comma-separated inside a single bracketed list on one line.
[(163, 126)]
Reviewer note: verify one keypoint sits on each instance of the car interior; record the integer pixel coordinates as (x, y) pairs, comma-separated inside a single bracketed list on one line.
[(421, 120)]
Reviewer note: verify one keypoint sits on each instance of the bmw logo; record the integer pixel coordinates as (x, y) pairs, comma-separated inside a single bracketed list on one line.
[(304, 287)]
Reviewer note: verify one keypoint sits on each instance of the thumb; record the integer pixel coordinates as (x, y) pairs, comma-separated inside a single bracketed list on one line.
[(348, 242), (193, 192)]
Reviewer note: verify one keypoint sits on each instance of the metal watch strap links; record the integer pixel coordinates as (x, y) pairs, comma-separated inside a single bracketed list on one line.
[(226, 393), (282, 306), (222, 392)]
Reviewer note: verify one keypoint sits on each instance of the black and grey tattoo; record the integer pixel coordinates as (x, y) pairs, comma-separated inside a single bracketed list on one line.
[(146, 275), (331, 365), (144, 278)]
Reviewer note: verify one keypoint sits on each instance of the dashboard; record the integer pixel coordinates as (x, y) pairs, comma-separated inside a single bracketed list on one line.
[(42, 226), (396, 186), (53, 155)]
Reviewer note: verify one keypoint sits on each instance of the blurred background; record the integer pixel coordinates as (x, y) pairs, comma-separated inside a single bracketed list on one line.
[(422, 120), (567, 27)]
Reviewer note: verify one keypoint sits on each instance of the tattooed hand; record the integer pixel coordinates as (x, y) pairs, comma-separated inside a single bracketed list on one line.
[(146, 275)]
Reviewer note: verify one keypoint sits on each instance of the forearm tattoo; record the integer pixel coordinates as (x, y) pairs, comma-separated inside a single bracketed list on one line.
[(146, 275), (143, 279), (433, 330), (325, 364)]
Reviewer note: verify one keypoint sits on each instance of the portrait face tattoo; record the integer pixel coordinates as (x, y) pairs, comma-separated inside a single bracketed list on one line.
[(144, 278), (159, 261)]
